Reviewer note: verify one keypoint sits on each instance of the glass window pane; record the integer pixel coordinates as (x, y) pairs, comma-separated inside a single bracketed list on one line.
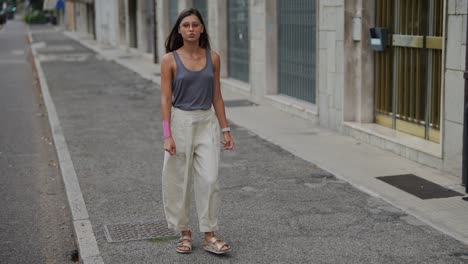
[(173, 13), (200, 5)]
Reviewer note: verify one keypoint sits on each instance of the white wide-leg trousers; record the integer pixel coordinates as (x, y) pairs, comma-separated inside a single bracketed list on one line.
[(197, 138)]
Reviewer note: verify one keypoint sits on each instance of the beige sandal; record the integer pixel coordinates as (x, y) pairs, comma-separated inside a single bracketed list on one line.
[(215, 246), (183, 243)]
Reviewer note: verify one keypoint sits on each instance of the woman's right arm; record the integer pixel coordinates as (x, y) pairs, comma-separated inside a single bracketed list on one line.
[(166, 101)]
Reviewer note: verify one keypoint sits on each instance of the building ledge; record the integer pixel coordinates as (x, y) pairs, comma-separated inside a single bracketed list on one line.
[(236, 86), (294, 106), (411, 147)]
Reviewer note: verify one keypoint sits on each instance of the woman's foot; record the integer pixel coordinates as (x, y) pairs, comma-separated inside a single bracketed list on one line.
[(214, 244), (184, 245)]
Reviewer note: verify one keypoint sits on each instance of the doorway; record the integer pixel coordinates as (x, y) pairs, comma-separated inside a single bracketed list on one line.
[(408, 73)]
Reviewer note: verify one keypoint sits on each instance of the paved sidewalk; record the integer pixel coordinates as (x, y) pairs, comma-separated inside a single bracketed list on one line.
[(278, 205)]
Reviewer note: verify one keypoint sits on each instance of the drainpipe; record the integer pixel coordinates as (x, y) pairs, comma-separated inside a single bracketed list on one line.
[(465, 122), (155, 31)]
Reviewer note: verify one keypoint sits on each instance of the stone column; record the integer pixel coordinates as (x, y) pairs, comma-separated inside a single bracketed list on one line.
[(162, 11), (141, 25), (127, 24), (217, 29), (330, 77), (99, 21), (453, 86), (121, 20), (359, 63), (271, 48), (114, 23), (263, 48)]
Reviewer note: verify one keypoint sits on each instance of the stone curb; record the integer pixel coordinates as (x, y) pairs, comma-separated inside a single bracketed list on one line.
[(87, 245)]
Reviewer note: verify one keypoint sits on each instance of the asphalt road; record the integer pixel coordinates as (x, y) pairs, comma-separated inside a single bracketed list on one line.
[(35, 225)]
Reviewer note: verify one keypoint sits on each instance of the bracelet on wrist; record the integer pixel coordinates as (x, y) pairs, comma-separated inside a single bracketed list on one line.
[(166, 129), (226, 129)]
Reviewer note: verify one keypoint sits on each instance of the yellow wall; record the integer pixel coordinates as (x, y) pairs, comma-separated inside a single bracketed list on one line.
[(70, 16)]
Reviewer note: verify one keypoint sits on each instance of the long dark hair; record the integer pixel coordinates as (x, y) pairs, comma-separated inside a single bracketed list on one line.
[(174, 41)]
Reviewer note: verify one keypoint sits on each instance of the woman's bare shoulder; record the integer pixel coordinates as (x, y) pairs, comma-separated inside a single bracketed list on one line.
[(214, 55), (168, 62), (167, 58), (215, 58)]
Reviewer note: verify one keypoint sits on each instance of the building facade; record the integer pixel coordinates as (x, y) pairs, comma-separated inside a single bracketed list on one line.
[(408, 98), (387, 72), (83, 19)]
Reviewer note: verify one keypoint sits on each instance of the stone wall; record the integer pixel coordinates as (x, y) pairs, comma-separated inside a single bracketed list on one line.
[(453, 94), (330, 66), (107, 26), (81, 17)]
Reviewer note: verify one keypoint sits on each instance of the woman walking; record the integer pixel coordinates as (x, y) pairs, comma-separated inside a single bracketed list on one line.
[(190, 88)]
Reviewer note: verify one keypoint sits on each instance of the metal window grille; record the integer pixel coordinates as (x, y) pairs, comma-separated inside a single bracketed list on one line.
[(173, 13), (201, 6), (238, 32), (296, 48)]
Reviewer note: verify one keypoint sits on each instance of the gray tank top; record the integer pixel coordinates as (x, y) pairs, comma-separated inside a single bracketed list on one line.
[(193, 90)]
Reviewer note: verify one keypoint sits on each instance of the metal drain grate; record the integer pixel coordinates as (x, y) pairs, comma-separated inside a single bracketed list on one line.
[(136, 231), (237, 103), (418, 186)]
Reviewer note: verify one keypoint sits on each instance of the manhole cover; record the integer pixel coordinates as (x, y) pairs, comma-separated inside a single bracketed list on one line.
[(237, 103), (418, 186), (136, 231)]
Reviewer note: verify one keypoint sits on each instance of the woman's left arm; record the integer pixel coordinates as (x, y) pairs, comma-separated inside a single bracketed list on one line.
[(218, 102)]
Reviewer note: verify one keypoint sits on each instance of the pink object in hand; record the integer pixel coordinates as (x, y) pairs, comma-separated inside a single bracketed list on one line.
[(167, 131)]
